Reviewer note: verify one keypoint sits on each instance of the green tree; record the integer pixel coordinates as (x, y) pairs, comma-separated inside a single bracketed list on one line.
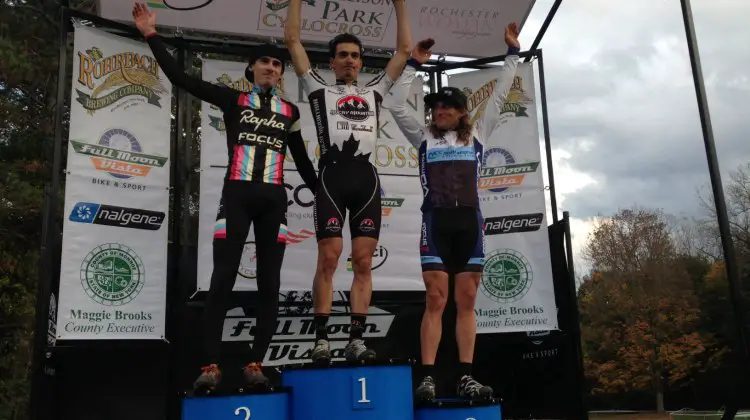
[(28, 88)]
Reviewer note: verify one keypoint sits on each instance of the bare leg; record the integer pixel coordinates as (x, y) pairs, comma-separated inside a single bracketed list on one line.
[(329, 251), (431, 330), (362, 250), (361, 292), (466, 331), (436, 283), (466, 326)]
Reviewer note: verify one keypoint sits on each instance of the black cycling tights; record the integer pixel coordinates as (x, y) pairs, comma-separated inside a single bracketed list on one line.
[(242, 204)]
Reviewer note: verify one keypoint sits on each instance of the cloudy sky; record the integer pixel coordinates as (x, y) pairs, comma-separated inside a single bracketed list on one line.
[(622, 108)]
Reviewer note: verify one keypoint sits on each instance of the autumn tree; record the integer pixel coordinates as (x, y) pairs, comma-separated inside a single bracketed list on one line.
[(639, 309)]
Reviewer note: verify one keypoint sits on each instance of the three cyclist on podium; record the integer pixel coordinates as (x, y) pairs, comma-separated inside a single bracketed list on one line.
[(261, 125)]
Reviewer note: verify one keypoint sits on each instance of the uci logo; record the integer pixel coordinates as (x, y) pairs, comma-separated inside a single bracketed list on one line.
[(301, 195)]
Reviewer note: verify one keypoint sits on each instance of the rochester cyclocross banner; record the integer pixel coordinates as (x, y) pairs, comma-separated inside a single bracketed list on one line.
[(516, 292), (114, 256), (471, 28), (396, 260)]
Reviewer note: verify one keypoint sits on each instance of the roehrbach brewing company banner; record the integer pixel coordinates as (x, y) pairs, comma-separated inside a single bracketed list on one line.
[(114, 257)]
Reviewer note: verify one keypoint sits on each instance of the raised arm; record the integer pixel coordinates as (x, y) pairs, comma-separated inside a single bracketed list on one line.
[(406, 122), (302, 161), (383, 82), (490, 118), (293, 39), (311, 81), (221, 96)]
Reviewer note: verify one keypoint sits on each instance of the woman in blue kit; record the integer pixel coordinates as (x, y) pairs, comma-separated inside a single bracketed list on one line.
[(452, 239)]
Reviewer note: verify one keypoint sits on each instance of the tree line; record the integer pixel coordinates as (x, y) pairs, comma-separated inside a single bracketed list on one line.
[(656, 314)]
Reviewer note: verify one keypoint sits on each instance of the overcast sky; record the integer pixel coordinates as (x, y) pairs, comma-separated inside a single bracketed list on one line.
[(622, 108)]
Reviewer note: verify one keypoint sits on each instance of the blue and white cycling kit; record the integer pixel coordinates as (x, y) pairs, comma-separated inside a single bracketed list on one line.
[(452, 236)]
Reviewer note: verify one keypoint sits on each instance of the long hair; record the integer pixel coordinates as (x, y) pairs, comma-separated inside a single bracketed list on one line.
[(463, 130)]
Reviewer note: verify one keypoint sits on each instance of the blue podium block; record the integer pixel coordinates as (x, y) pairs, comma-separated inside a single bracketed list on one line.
[(342, 392), (447, 409), (265, 406)]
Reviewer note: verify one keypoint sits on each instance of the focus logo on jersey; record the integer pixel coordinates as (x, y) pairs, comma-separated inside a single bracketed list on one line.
[(353, 108)]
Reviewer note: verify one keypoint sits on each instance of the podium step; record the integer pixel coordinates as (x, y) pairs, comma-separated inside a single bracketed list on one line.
[(342, 391), (222, 406), (458, 409)]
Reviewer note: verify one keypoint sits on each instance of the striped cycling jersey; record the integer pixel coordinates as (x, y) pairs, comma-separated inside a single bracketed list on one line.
[(258, 149), (259, 125)]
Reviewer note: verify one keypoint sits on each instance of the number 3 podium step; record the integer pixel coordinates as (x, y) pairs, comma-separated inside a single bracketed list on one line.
[(457, 409), (342, 391)]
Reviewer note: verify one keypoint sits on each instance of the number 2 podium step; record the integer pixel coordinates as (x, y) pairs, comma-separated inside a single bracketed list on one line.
[(342, 391), (266, 406)]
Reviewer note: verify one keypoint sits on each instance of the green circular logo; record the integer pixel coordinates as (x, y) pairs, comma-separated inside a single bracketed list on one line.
[(112, 274), (506, 276)]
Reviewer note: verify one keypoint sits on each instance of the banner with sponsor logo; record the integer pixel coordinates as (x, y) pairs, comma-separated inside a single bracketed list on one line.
[(114, 256), (396, 261), (473, 28), (295, 332), (516, 292)]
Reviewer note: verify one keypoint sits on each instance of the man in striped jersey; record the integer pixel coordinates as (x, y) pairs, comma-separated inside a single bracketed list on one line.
[(259, 127), (346, 117)]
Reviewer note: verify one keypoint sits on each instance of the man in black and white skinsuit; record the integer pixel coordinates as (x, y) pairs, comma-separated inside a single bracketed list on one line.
[(346, 120)]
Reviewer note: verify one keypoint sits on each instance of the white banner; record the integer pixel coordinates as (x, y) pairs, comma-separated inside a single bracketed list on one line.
[(396, 261), (472, 28), (114, 255), (516, 293)]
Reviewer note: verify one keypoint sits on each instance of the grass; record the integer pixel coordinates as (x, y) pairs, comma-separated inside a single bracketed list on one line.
[(640, 416)]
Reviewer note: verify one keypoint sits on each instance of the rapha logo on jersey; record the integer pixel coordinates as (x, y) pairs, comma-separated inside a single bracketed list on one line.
[(513, 224), (424, 246), (103, 214), (500, 171), (248, 117), (378, 259), (353, 108), (120, 154), (333, 225)]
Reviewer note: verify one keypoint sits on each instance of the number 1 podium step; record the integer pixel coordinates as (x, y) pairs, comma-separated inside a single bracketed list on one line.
[(272, 405), (458, 409), (343, 391)]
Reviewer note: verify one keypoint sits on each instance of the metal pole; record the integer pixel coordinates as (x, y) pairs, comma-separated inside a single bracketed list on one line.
[(574, 325), (547, 145), (543, 29), (49, 216), (732, 270), (37, 408)]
